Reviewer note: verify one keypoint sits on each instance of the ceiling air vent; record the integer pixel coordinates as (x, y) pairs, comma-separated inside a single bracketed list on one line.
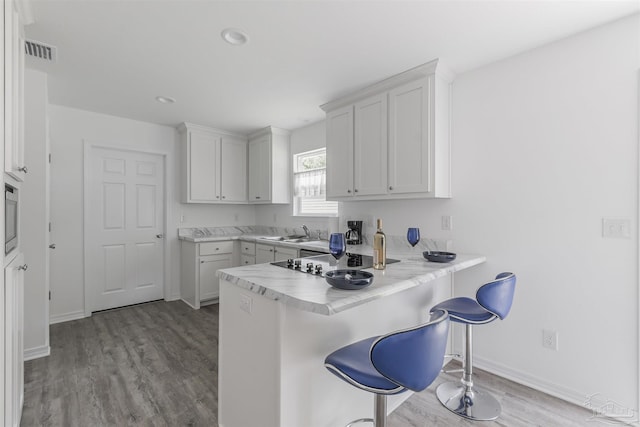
[(40, 50)]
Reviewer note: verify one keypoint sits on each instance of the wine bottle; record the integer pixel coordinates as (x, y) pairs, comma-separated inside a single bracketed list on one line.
[(379, 248)]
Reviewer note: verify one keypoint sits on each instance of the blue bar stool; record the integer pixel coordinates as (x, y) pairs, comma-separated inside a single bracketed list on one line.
[(493, 300), (409, 359)]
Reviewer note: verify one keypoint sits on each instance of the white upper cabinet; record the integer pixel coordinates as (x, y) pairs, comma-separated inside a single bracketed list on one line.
[(214, 166), (391, 140), (269, 166), (13, 76), (370, 146), (233, 170), (340, 152)]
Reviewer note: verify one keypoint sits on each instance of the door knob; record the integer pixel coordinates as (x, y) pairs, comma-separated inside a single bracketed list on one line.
[(52, 246), (23, 267), (160, 236), (23, 169)]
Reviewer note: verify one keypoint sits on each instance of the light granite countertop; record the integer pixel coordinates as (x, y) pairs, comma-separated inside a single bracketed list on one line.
[(311, 293)]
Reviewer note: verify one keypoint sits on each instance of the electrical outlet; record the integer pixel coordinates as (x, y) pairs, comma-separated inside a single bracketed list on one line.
[(446, 223), (182, 219), (245, 303), (550, 339), (616, 228)]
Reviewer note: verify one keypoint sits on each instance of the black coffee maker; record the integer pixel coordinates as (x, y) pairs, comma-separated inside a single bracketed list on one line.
[(354, 232)]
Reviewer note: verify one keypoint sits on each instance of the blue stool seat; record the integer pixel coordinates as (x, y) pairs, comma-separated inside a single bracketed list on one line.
[(352, 364), (466, 310), (409, 359), (493, 301)]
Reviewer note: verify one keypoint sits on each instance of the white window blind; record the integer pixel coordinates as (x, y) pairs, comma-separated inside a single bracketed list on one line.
[(309, 185)]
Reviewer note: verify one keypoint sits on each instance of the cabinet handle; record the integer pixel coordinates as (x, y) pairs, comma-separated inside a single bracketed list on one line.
[(355, 191), (257, 197), (52, 246), (348, 191), (224, 197), (217, 197), (160, 236), (23, 267), (391, 188), (23, 169), (270, 250)]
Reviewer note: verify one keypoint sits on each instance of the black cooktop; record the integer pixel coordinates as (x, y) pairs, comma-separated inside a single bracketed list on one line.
[(318, 264)]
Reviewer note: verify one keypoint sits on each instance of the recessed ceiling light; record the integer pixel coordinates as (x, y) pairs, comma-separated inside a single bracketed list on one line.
[(234, 36), (165, 99)]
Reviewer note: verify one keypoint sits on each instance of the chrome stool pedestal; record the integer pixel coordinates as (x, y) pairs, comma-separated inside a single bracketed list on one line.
[(493, 301), (465, 399)]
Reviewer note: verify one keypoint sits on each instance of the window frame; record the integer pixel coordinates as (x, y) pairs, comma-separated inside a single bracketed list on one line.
[(296, 200)]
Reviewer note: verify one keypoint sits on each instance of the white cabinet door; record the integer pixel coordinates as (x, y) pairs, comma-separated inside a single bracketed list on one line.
[(13, 340), (410, 148), (269, 166), (208, 279), (264, 253), (273, 253), (339, 125), (283, 254), (233, 168), (247, 259), (13, 92), (260, 170), (370, 146), (203, 158)]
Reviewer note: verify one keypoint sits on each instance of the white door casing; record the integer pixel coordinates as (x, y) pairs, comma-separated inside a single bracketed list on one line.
[(124, 215)]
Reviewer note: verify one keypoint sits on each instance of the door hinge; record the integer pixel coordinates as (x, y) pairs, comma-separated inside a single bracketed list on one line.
[(49, 295), (49, 157)]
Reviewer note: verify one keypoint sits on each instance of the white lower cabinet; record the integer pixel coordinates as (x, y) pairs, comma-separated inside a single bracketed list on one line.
[(200, 263), (271, 253), (247, 253), (13, 308)]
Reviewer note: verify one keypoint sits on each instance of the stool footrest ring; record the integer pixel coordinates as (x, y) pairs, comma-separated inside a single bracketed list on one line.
[(361, 420)]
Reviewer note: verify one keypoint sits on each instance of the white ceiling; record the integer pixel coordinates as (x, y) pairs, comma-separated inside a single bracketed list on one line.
[(115, 57)]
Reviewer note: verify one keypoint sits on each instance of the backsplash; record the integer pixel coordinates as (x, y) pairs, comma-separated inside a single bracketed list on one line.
[(394, 243)]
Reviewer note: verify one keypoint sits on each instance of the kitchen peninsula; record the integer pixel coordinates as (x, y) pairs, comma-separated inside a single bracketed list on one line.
[(278, 325)]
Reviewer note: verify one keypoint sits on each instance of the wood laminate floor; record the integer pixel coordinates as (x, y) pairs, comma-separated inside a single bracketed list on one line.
[(156, 364)]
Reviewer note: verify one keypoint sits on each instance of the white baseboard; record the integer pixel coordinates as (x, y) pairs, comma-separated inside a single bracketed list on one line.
[(37, 352), (66, 317), (555, 390), (173, 298), (189, 304)]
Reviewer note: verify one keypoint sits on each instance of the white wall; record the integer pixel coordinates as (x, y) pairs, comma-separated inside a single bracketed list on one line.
[(69, 128), (307, 138), (34, 216), (545, 144)]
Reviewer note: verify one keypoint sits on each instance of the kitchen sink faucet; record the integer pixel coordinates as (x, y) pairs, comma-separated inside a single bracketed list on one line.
[(306, 231)]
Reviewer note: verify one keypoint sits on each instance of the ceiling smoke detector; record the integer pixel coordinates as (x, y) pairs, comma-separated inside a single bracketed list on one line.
[(234, 36)]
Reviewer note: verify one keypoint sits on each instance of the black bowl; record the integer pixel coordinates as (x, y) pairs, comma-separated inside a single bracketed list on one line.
[(437, 256), (349, 279)]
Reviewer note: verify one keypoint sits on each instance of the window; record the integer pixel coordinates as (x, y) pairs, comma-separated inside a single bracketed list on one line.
[(309, 185)]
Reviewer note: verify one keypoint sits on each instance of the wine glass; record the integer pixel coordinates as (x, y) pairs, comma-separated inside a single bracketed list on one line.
[(337, 245), (413, 236)]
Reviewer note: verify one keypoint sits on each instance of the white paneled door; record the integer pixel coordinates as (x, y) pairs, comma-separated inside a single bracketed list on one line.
[(124, 226)]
